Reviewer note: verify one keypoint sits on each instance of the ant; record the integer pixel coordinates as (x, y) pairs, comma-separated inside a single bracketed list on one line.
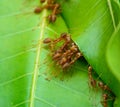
[(93, 82), (52, 17), (105, 98)]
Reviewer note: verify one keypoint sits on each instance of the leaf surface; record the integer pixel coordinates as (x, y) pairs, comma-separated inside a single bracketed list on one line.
[(24, 61), (92, 27)]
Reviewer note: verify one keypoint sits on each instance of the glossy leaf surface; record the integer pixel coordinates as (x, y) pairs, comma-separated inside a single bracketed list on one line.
[(24, 60)]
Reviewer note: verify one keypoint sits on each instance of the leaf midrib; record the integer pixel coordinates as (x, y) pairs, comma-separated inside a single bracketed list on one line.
[(36, 67)]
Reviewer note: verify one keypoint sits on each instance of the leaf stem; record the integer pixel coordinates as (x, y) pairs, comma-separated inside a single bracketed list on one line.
[(35, 73)]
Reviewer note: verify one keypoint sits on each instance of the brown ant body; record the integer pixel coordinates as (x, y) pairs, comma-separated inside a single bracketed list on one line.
[(105, 98), (52, 17), (37, 10), (91, 79)]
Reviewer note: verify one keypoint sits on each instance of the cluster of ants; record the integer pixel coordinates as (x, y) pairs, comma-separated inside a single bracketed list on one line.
[(50, 5), (107, 91), (66, 54)]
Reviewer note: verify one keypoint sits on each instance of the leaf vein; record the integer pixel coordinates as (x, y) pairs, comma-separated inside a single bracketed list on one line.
[(15, 55), (12, 80), (23, 102), (44, 101), (36, 68)]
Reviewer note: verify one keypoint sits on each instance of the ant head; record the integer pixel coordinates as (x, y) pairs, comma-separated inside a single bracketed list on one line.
[(57, 5), (63, 35), (74, 48), (47, 40), (90, 68), (66, 37), (78, 54)]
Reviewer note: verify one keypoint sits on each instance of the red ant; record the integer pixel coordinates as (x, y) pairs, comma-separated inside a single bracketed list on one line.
[(105, 98), (92, 80)]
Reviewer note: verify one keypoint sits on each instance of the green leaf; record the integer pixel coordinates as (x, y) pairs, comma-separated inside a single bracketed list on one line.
[(24, 61), (113, 55), (92, 24)]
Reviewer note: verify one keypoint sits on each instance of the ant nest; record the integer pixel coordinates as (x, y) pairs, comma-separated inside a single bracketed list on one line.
[(67, 53)]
